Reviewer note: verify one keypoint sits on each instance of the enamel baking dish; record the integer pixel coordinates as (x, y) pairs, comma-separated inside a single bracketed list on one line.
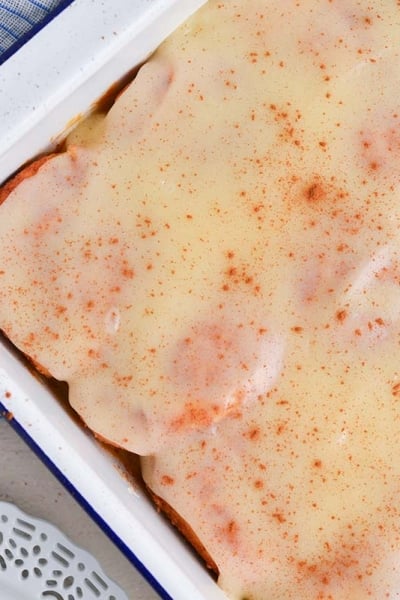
[(55, 78)]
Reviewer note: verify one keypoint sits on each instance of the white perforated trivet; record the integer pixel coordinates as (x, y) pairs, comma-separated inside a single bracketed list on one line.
[(38, 562)]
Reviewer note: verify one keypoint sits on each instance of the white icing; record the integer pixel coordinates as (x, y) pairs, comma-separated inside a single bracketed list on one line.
[(214, 268)]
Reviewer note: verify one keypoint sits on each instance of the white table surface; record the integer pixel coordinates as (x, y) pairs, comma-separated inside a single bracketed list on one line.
[(25, 481)]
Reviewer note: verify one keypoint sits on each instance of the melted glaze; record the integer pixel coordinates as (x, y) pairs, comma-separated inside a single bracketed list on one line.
[(214, 268)]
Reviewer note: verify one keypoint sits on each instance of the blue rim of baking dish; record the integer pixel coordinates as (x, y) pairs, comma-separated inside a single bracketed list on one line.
[(6, 54), (126, 551)]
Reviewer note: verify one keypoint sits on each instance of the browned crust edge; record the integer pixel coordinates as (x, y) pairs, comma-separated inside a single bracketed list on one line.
[(184, 528), (28, 171)]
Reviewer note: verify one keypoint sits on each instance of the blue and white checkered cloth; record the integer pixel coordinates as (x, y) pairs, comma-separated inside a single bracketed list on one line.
[(20, 19)]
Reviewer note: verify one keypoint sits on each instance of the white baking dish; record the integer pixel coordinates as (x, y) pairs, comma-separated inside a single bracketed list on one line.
[(52, 79), (58, 74)]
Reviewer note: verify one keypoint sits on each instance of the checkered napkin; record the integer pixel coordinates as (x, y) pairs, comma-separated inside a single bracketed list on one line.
[(20, 19)]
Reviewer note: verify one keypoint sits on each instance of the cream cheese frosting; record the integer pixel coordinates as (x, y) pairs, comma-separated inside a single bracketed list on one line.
[(214, 269)]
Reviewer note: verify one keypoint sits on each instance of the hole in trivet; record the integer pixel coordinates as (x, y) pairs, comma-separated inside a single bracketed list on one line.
[(43, 537), (1, 538), (8, 553), (3, 565), (51, 582), (81, 567), (56, 595), (68, 582), (26, 524), (79, 592), (4, 518), (56, 573), (66, 550), (18, 562), (24, 552), (92, 587), (36, 549), (21, 533), (99, 580), (12, 543), (42, 562), (25, 574), (60, 559), (37, 571)]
